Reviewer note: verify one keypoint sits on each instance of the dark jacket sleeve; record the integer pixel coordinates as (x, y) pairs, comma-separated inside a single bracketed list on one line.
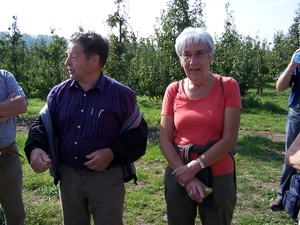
[(37, 138), (130, 145)]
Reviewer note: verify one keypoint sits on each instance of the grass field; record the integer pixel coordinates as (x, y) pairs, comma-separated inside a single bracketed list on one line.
[(259, 158)]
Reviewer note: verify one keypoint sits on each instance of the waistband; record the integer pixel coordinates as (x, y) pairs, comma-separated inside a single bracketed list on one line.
[(87, 170)]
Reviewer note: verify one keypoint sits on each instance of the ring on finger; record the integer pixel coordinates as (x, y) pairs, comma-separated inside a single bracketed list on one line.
[(191, 192)]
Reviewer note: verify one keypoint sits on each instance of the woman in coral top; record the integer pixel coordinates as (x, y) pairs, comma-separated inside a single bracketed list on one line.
[(200, 121)]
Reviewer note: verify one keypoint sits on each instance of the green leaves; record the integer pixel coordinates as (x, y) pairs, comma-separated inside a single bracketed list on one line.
[(149, 64)]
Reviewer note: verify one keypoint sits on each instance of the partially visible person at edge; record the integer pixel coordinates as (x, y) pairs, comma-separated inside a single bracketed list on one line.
[(292, 157), (87, 112), (199, 127), (289, 77), (12, 103)]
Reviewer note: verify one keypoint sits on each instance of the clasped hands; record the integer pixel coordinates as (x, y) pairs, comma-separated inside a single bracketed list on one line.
[(97, 160), (186, 177)]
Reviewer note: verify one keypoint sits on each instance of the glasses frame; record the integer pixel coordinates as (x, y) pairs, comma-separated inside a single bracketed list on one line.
[(198, 55)]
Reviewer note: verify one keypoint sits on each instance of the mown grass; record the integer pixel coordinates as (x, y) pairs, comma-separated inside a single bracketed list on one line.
[(259, 158)]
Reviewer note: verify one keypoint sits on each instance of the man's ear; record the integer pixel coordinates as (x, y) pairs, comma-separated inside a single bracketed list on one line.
[(95, 58)]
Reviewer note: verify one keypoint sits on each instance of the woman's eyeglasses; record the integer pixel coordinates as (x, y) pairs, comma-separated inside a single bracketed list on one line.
[(198, 55)]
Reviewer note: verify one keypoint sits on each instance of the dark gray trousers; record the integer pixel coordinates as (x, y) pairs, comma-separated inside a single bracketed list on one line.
[(11, 199)]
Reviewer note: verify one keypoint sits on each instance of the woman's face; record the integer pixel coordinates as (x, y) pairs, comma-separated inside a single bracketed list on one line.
[(195, 61)]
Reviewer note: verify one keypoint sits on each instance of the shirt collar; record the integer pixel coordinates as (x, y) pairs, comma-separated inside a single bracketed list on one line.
[(99, 84)]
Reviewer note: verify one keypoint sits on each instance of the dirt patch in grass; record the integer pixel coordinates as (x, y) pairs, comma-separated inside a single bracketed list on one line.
[(23, 125), (273, 136)]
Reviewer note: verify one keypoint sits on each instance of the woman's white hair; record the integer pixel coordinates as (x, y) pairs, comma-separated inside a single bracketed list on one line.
[(192, 35)]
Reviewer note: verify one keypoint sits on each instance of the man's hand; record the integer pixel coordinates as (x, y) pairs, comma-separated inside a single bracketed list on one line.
[(11, 97), (39, 160), (99, 159)]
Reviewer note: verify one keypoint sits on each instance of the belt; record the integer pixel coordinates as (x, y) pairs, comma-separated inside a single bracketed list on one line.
[(110, 166), (8, 149)]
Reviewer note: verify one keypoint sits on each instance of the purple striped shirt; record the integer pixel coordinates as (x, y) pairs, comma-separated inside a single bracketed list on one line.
[(87, 121)]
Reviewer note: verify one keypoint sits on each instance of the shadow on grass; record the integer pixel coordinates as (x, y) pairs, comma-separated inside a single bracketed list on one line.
[(253, 103), (260, 148)]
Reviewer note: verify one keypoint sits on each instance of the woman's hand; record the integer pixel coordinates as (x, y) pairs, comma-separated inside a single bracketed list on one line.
[(195, 189), (185, 173)]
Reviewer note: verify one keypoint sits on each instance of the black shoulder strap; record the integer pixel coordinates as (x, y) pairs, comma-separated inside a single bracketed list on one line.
[(221, 83), (178, 83)]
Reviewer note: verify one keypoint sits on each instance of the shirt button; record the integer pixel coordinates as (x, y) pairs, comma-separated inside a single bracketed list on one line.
[(75, 142), (84, 95), (78, 126), (75, 157), (82, 110)]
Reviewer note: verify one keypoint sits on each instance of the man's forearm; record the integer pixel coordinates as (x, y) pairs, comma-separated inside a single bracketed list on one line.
[(283, 81), (13, 107)]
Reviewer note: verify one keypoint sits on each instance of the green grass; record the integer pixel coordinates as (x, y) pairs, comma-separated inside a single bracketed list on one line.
[(259, 158)]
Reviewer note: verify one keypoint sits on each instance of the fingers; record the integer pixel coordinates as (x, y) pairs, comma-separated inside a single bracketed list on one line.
[(195, 195), (11, 96), (181, 184), (195, 190), (180, 180), (99, 159), (95, 163), (47, 162), (39, 161), (183, 175), (40, 166), (92, 155)]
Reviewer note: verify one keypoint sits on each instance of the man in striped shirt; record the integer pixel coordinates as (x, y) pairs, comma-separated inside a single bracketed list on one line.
[(12, 103), (88, 112)]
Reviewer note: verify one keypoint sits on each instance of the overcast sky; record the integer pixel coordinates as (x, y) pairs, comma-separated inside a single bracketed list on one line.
[(264, 17)]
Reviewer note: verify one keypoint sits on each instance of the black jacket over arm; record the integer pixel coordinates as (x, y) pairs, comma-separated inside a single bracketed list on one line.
[(37, 138), (130, 145)]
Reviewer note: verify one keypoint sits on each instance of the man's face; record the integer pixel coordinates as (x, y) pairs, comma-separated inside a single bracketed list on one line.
[(78, 66)]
